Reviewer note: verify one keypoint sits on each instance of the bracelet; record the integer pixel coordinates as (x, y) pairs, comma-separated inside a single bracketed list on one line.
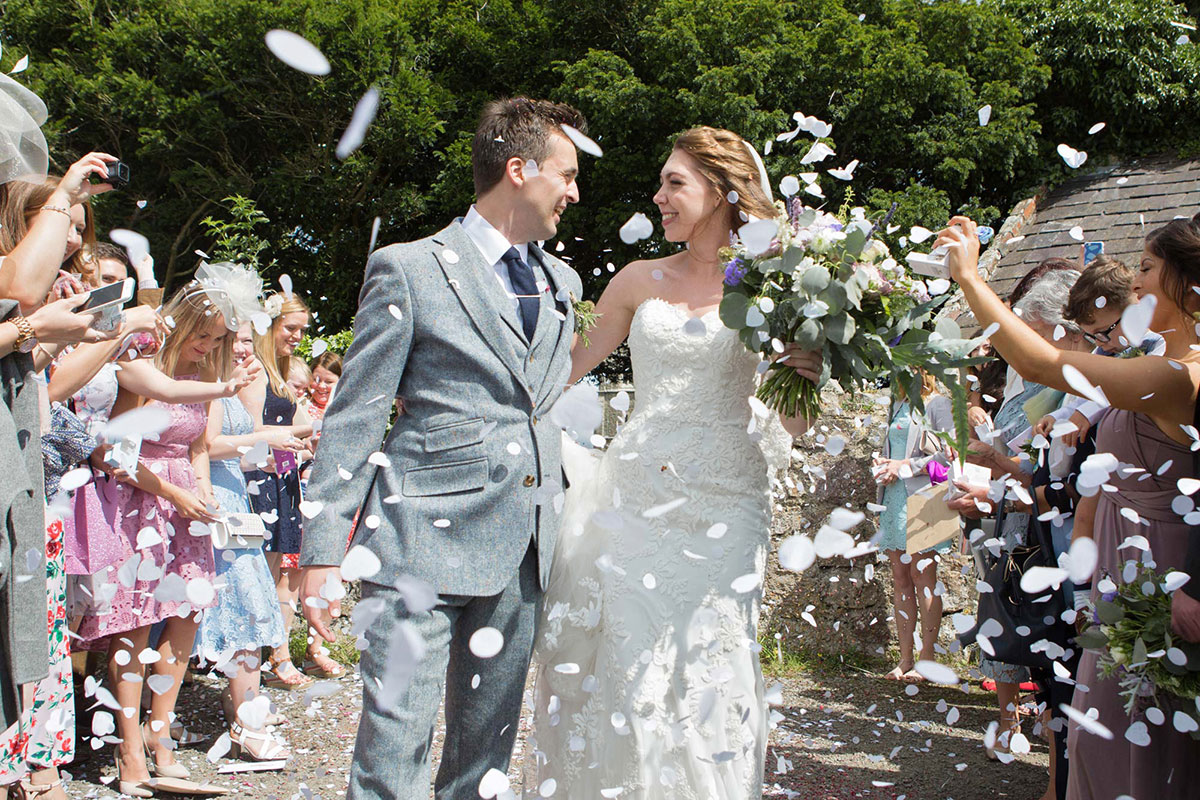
[(61, 210)]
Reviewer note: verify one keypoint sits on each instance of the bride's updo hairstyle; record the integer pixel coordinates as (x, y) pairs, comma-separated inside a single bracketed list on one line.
[(1178, 244), (726, 163)]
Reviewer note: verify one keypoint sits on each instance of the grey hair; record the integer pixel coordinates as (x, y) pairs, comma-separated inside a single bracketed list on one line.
[(1045, 301)]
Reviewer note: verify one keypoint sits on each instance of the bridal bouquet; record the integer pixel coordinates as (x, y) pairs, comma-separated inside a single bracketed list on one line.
[(1131, 627), (823, 281)]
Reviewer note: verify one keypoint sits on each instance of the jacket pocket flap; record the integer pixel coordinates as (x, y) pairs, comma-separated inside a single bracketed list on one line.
[(452, 478), (454, 434)]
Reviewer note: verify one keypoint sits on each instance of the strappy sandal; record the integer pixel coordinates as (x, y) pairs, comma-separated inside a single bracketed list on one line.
[(278, 681), (270, 749), (27, 790), (331, 670)]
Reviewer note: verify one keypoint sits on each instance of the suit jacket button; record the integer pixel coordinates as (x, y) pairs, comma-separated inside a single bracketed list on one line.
[(529, 480)]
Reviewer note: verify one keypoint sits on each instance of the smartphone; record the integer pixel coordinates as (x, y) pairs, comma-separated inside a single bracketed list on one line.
[(285, 461), (1091, 250), (118, 293), (106, 303)]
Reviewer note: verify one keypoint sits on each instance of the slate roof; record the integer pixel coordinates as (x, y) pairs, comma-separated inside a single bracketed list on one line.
[(1117, 205)]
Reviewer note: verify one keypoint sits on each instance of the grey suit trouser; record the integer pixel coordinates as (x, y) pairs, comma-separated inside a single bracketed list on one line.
[(391, 753)]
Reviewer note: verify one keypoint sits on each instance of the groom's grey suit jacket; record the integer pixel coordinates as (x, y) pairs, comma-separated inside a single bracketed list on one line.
[(470, 470)]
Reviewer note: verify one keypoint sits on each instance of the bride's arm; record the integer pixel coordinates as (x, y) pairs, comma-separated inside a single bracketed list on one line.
[(614, 313)]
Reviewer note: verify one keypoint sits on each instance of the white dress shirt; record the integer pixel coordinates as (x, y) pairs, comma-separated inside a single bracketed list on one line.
[(493, 245)]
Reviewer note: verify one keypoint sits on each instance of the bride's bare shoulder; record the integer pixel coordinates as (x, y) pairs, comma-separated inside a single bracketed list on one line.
[(641, 279)]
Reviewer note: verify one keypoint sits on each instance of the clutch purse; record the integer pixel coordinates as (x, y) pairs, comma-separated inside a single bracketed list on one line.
[(238, 531)]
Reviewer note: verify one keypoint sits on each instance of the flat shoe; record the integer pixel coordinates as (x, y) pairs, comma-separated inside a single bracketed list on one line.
[(186, 787)]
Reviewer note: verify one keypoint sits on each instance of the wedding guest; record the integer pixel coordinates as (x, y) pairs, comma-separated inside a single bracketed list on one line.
[(35, 245), (1153, 400), (1041, 306), (154, 510), (276, 492), (246, 617), (37, 689), (909, 446), (326, 372), (299, 379)]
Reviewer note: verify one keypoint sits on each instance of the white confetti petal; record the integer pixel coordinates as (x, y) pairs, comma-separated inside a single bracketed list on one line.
[(486, 643), (297, 52), (1136, 318), (937, 673), (360, 563), (1074, 158), (582, 141), (985, 115), (636, 228), (360, 121)]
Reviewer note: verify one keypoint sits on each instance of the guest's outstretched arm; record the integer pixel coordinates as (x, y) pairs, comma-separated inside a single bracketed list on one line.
[(1148, 385)]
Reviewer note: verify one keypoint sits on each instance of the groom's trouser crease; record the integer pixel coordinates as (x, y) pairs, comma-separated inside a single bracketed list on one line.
[(391, 756)]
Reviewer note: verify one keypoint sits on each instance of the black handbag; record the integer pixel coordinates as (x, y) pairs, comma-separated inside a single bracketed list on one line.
[(1024, 619)]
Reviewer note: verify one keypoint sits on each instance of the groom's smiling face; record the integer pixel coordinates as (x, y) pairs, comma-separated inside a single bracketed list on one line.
[(546, 194)]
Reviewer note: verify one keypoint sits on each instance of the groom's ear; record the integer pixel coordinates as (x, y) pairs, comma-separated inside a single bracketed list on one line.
[(515, 172)]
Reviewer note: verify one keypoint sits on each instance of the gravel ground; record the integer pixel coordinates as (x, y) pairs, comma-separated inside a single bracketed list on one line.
[(844, 735)]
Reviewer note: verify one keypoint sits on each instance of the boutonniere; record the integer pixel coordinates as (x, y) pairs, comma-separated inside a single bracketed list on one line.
[(585, 317)]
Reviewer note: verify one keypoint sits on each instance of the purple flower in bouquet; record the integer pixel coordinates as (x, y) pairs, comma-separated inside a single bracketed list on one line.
[(735, 270)]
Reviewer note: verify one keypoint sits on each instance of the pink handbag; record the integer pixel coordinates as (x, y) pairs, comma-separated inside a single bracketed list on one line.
[(90, 541)]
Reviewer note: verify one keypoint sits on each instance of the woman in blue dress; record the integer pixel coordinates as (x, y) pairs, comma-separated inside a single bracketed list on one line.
[(907, 449), (247, 616)]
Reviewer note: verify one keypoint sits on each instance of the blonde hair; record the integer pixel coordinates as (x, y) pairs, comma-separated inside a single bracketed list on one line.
[(928, 386), (299, 365), (20, 202), (191, 310), (275, 365), (726, 163)]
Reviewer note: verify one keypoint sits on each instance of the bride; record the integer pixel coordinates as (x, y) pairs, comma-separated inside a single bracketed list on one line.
[(648, 682)]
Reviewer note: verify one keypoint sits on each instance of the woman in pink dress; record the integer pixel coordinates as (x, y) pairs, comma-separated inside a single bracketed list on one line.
[(170, 576), (1148, 430)]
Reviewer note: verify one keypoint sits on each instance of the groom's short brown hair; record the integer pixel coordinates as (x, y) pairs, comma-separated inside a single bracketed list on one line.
[(516, 127)]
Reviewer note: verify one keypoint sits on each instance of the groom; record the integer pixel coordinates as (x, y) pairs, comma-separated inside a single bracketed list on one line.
[(472, 328)]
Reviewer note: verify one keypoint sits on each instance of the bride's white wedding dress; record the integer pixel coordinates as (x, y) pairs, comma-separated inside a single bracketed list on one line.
[(648, 682)]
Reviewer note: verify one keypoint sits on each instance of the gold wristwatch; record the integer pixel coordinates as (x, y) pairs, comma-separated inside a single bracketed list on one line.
[(26, 338)]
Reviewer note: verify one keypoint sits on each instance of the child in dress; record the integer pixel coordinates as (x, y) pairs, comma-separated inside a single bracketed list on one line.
[(247, 616), (162, 510)]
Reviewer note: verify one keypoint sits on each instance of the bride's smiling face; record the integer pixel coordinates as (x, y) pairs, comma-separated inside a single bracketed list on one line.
[(684, 198)]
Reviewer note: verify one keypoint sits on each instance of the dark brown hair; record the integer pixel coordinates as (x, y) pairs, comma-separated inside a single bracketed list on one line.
[(1178, 244), (107, 251), (516, 127), (1105, 277), (328, 360), (727, 165)]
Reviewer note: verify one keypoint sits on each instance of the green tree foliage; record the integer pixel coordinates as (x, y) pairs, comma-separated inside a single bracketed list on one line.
[(188, 94)]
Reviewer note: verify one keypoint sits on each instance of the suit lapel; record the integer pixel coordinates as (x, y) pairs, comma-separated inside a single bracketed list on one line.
[(552, 331), (475, 288)]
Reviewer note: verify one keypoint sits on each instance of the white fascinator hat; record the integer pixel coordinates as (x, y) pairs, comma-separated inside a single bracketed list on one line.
[(23, 153)]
